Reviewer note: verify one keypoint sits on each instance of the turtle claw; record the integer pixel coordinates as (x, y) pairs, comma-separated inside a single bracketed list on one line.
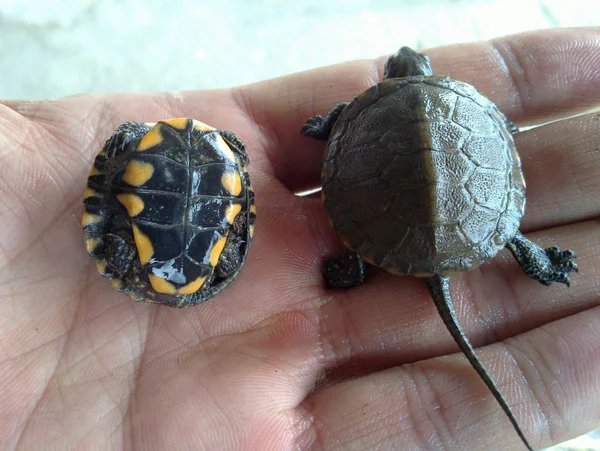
[(562, 262), (556, 253), (544, 265)]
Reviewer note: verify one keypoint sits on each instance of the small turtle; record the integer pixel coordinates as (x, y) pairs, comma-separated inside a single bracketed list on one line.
[(169, 210), (421, 176)]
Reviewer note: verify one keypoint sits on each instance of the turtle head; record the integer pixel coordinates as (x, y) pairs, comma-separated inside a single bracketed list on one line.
[(406, 63)]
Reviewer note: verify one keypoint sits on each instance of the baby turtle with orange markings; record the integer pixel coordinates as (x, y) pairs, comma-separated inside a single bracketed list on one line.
[(169, 211), (421, 176)]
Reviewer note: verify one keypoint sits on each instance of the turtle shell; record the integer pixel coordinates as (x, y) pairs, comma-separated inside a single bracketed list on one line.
[(421, 176), (166, 210)]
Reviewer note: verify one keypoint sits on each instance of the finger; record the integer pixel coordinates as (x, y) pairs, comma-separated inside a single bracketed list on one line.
[(547, 376), (85, 122), (533, 77), (559, 77), (34, 184), (391, 320), (561, 163)]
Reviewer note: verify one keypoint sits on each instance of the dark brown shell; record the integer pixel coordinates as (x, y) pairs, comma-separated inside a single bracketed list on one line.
[(421, 176)]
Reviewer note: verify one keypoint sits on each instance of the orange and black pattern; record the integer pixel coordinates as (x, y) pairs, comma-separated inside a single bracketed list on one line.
[(179, 196)]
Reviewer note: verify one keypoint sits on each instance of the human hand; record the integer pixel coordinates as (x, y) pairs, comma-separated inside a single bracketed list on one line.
[(276, 361)]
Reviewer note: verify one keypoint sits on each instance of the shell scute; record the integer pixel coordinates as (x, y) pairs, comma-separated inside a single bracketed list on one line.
[(170, 203), (442, 187)]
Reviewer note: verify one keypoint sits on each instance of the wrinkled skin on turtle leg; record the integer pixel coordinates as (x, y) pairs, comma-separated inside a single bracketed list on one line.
[(236, 143), (544, 265), (320, 127), (123, 135), (230, 258), (345, 272), (120, 251)]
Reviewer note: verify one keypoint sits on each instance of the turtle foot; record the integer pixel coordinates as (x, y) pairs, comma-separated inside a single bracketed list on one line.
[(345, 272), (314, 128), (320, 127), (552, 264)]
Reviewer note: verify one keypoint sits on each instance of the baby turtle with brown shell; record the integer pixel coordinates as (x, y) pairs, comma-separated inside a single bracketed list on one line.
[(421, 176), (169, 211)]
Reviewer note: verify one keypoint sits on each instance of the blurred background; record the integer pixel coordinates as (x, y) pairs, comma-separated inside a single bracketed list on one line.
[(54, 48)]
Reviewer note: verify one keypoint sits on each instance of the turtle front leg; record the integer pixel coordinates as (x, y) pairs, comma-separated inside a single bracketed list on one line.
[(123, 135), (544, 265), (236, 143), (345, 272), (320, 127)]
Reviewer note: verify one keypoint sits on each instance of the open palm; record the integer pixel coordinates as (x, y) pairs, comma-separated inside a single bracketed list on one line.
[(276, 361)]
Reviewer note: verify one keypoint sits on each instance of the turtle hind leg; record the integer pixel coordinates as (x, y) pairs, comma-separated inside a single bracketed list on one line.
[(231, 258), (345, 272), (120, 253), (544, 265), (320, 127), (229, 265), (439, 289), (407, 63)]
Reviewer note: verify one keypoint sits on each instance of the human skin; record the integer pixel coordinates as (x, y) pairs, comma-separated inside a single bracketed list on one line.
[(276, 361)]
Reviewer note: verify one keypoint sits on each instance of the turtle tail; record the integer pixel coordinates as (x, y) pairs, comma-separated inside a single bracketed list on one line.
[(439, 289)]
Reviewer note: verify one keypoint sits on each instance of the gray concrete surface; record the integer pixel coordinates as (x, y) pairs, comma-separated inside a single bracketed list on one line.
[(52, 48)]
